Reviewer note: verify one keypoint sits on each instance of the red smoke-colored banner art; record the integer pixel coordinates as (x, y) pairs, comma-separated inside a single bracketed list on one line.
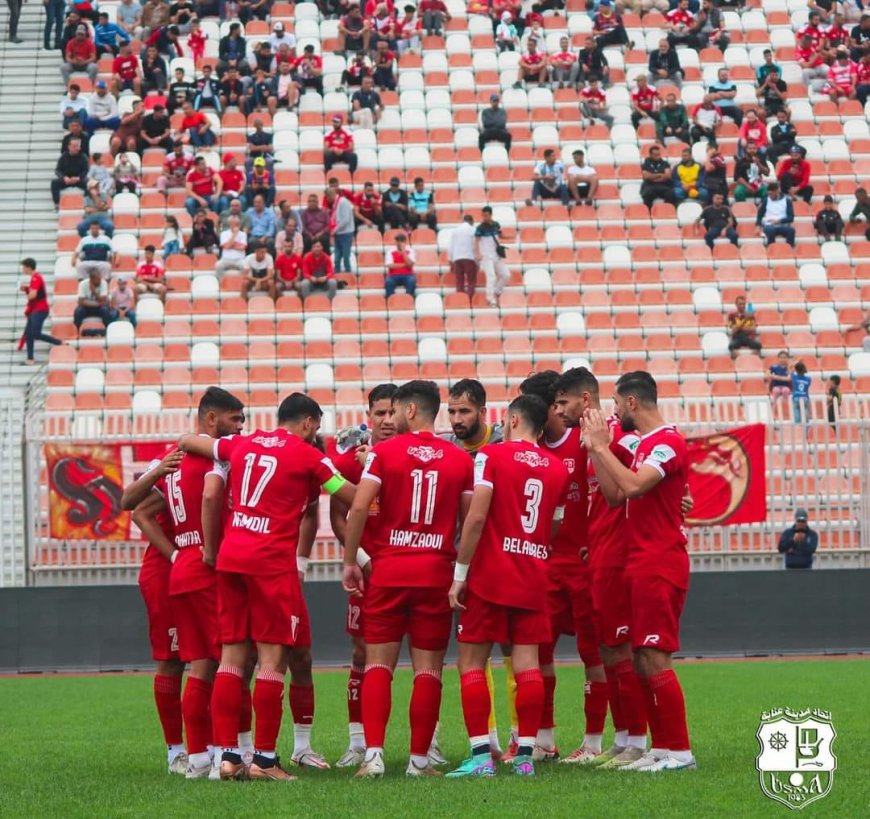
[(85, 486), (727, 477)]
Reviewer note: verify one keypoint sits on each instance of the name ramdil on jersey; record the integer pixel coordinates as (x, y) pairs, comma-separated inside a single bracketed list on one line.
[(253, 523), (416, 540)]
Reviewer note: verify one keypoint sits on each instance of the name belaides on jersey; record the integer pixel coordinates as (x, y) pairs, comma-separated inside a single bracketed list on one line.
[(416, 540), (524, 547)]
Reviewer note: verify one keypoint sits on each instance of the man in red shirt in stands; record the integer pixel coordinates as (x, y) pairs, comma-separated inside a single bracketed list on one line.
[(338, 146), (644, 102), (150, 276), (318, 273), (126, 73), (80, 54), (809, 58), (196, 127), (288, 269), (842, 77), (794, 174), (532, 67), (203, 187), (175, 169), (368, 208), (232, 183)]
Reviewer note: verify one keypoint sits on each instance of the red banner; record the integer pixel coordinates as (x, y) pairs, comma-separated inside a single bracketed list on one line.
[(727, 477)]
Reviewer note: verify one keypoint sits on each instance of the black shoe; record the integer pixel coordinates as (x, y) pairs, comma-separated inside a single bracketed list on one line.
[(15, 40)]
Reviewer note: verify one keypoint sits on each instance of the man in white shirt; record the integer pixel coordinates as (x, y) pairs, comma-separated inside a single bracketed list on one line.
[(73, 106), (102, 110), (93, 301), (233, 242), (94, 253), (460, 254), (582, 179), (280, 37), (259, 273)]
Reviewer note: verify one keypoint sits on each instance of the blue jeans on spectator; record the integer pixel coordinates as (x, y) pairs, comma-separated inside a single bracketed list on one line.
[(93, 124), (130, 316), (800, 407), (343, 245), (772, 231), (682, 195), (171, 249), (33, 332), (199, 140), (81, 116), (104, 312), (714, 233), (223, 202), (408, 281), (101, 219), (215, 103), (541, 192), (192, 205), (54, 10)]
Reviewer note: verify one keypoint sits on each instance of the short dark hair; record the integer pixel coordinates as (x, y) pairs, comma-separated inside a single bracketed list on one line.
[(216, 399), (381, 392), (29, 263), (297, 407), (532, 409), (470, 387), (640, 384), (486, 209), (542, 384), (425, 394), (418, 178), (149, 249), (576, 380), (835, 380), (800, 368)]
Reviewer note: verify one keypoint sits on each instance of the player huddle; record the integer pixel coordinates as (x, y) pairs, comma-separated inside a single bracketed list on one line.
[(559, 521)]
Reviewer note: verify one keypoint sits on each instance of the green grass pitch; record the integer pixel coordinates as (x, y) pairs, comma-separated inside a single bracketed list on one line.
[(90, 746)]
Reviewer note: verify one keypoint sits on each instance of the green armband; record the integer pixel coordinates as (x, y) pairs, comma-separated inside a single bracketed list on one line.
[(334, 484)]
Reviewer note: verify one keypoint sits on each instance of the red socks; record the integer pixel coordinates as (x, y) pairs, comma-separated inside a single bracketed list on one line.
[(167, 697), (659, 739), (196, 708), (268, 707), (530, 702), (376, 704), (226, 703), (476, 703), (632, 699), (595, 706), (613, 699), (247, 713), (671, 707), (301, 699), (354, 694), (547, 717), (424, 710)]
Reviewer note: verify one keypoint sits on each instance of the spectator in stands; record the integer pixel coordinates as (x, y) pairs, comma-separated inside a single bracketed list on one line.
[(309, 71), (489, 254), (253, 10), (71, 23), (493, 124), (173, 239), (368, 208), (288, 236), (409, 28), (315, 224), (862, 92), (156, 131), (338, 146), (644, 102), (532, 67), (708, 28), (281, 37), (80, 54), (717, 219), (778, 378), (232, 183), (836, 37), (208, 92), (263, 225), (643, 7), (317, 274), (687, 174), (126, 72), (167, 41), (36, 310), (608, 28), (773, 95), (383, 27), (54, 10), (548, 180), (258, 272), (775, 217), (723, 92), (752, 131), (176, 167), (862, 208), (563, 65), (705, 120), (506, 36), (679, 22), (664, 65), (101, 174), (107, 36), (800, 394), (794, 174), (97, 209), (73, 107), (742, 328), (342, 227), (203, 187), (182, 14), (126, 136), (234, 209), (93, 301), (366, 105), (752, 173), (435, 15), (399, 262), (715, 177), (78, 133), (812, 63), (70, 171), (123, 301), (593, 103), (834, 400), (150, 276), (829, 224), (842, 77), (395, 204), (354, 32), (129, 17), (782, 136), (260, 181), (260, 143), (859, 38), (94, 253), (181, 90), (461, 255), (799, 543), (283, 90), (155, 15), (582, 179), (673, 121), (288, 268), (766, 67), (657, 179), (812, 29), (591, 62), (385, 66), (421, 206), (196, 128), (359, 68), (232, 50), (233, 247), (102, 109)]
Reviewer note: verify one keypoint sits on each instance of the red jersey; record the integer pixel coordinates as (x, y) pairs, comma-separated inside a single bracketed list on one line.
[(195, 120), (319, 267), (836, 36), (411, 541), (288, 268), (339, 140), (843, 76), (644, 98), (149, 271), (177, 167), (533, 59), (572, 534), (272, 477), (79, 52), (509, 567), (234, 181), (368, 204), (593, 95), (153, 562), (813, 32), (202, 183), (563, 57), (810, 55), (127, 67), (348, 465), (863, 73), (40, 303), (183, 490), (385, 60), (680, 17), (608, 527), (658, 540)]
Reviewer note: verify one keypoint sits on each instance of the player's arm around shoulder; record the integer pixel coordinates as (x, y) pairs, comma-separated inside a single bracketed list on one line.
[(145, 517), (140, 489)]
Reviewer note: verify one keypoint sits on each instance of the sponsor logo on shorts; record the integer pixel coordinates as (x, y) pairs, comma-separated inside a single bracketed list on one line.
[(294, 625), (425, 453), (651, 640), (622, 631)]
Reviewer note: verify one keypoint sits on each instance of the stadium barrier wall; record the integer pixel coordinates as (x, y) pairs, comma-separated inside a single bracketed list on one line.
[(739, 614)]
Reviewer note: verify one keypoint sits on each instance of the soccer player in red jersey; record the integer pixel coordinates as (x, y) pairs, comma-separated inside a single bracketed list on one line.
[(658, 563), (569, 585), (382, 427), (576, 392), (192, 588), (271, 476), (428, 482), (519, 493)]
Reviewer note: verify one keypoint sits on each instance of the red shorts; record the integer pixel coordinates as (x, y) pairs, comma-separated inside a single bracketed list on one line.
[(569, 601), (485, 622), (656, 605), (161, 625), (196, 619), (424, 614), (264, 608), (611, 606), (354, 622)]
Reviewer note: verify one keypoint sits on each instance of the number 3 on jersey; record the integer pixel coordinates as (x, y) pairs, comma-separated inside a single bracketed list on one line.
[(268, 464), (533, 493), (430, 478)]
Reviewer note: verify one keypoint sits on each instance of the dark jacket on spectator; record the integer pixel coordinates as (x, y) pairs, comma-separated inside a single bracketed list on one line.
[(670, 61), (224, 48), (798, 555), (69, 165), (493, 119)]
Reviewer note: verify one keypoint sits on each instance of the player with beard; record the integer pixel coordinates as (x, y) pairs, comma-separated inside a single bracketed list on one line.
[(658, 563), (569, 591), (466, 411)]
